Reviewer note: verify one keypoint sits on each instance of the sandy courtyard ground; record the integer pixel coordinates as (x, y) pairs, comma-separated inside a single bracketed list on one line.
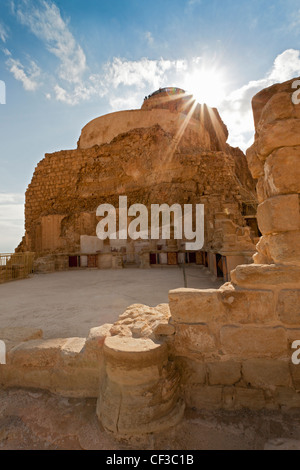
[(40, 420), (69, 304)]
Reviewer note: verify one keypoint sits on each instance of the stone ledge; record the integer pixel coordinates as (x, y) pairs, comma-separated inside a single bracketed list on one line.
[(259, 276), (192, 306)]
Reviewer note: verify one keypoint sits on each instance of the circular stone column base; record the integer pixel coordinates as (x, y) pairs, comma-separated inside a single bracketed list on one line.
[(140, 387)]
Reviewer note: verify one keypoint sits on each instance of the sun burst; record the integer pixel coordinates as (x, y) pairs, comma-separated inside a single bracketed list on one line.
[(206, 84)]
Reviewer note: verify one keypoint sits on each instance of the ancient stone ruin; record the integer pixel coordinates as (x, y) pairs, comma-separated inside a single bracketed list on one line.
[(228, 348), (171, 151)]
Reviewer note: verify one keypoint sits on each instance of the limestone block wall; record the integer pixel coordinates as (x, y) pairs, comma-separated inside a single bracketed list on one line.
[(68, 186), (66, 366), (234, 346), (235, 343), (274, 160), (128, 366)]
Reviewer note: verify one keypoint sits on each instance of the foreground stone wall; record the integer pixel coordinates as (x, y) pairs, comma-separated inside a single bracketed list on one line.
[(234, 347), (128, 366), (66, 366), (235, 343)]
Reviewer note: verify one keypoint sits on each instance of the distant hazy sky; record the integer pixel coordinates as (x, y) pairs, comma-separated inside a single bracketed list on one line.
[(66, 62)]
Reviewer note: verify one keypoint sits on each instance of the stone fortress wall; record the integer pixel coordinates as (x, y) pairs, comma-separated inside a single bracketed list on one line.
[(228, 348), (170, 151)]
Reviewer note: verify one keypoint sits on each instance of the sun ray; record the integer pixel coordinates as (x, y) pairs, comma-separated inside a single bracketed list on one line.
[(178, 136)]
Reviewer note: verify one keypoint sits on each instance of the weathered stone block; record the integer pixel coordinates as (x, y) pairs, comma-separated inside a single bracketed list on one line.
[(224, 372), (283, 171), (252, 399), (164, 329), (204, 397), (285, 247), (192, 372), (261, 192), (285, 133), (295, 372), (253, 341), (194, 339), (75, 382), (262, 253), (196, 306), (280, 106), (288, 307), (279, 214), (287, 398), (255, 165), (96, 337), (229, 397), (72, 353), (265, 373), (37, 353), (245, 306), (258, 276)]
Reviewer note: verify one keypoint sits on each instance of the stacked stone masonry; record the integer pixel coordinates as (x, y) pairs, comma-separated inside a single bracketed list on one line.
[(235, 343), (228, 348), (159, 154)]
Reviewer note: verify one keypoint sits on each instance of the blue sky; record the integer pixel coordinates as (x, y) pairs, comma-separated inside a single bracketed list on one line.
[(65, 62)]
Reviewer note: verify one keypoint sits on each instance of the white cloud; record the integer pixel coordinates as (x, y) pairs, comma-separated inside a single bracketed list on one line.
[(286, 66), (6, 52), (129, 101), (11, 221), (11, 198), (26, 75), (236, 110), (46, 23), (72, 86), (124, 82), (144, 72), (3, 32), (81, 91), (136, 73)]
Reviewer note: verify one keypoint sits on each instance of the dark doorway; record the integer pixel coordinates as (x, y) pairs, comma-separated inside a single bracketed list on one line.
[(73, 261), (205, 255), (153, 258), (192, 258), (219, 261), (252, 223)]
